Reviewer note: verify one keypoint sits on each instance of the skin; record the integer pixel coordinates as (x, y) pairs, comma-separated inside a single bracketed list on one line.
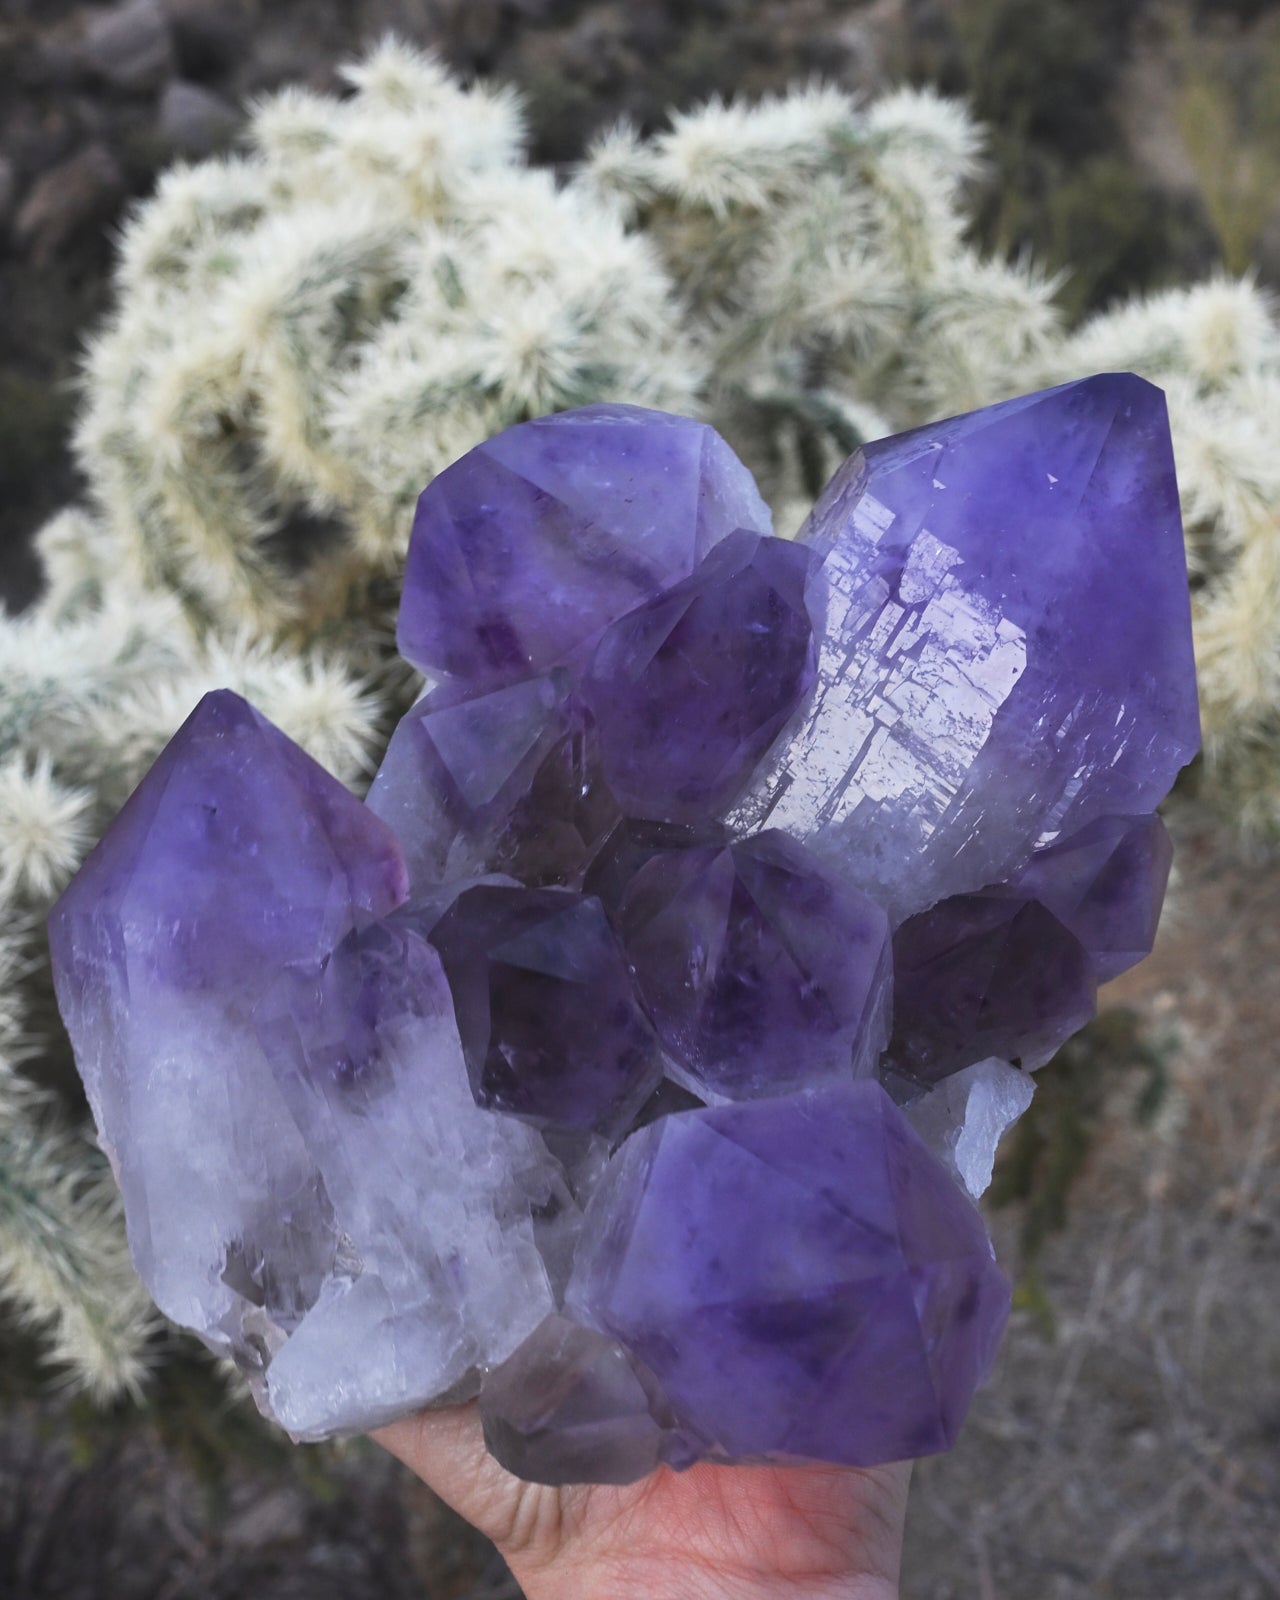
[(712, 1533)]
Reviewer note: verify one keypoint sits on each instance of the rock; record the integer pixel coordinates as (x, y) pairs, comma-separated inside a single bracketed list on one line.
[(209, 36), (761, 972), (965, 1117), (801, 1276), (571, 1406), (192, 121), (277, 1076), (77, 195), (8, 191), (128, 46), (506, 781), (550, 1028)]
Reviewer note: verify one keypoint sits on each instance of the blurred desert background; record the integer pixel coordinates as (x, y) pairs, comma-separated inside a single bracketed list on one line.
[(1128, 1444)]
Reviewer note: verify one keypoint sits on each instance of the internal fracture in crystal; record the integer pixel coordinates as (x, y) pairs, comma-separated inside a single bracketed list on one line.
[(1007, 654)]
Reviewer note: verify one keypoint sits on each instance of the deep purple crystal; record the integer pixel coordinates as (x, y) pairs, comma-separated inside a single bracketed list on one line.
[(507, 781), (812, 1243), (690, 689), (983, 975), (1106, 884), (550, 1028), (526, 547), (760, 970), (236, 853), (1007, 654)]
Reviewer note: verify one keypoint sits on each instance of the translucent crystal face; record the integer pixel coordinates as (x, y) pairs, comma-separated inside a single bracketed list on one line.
[(534, 541), (632, 1057)]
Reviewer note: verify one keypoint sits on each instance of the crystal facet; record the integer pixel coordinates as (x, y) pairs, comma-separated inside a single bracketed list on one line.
[(1106, 884), (985, 975), (507, 781), (760, 971), (690, 689), (536, 539), (550, 1028), (1007, 654), (572, 1406), (813, 1243)]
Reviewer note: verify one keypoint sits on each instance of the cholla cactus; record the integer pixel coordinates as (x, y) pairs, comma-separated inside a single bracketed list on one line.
[(306, 333)]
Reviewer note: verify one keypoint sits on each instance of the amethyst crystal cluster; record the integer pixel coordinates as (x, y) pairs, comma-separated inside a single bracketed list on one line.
[(631, 1057)]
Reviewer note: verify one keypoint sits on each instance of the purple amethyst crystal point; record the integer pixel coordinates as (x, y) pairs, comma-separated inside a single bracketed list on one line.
[(801, 1276), (235, 853), (550, 1028), (760, 970), (507, 781), (536, 539), (1007, 654), (992, 974), (571, 1406), (1106, 884), (264, 1188), (690, 689)]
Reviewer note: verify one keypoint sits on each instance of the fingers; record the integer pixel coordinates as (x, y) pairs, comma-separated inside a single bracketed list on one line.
[(446, 1449)]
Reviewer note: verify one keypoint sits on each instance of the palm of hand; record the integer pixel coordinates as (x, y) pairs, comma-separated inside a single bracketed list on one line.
[(712, 1533)]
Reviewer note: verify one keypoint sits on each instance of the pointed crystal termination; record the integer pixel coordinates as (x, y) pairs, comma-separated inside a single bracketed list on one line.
[(536, 539), (506, 781), (866, 1309), (1106, 884), (440, 1272), (980, 975), (551, 1030), (690, 689), (235, 854), (280, 1086), (235, 857), (571, 1406), (1012, 971), (1007, 654), (761, 972)]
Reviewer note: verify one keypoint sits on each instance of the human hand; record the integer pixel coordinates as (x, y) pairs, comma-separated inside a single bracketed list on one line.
[(711, 1533)]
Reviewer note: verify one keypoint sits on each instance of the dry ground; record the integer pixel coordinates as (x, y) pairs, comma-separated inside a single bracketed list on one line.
[(1138, 1453)]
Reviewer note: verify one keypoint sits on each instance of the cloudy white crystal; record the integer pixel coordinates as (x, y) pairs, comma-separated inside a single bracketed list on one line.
[(965, 1117)]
